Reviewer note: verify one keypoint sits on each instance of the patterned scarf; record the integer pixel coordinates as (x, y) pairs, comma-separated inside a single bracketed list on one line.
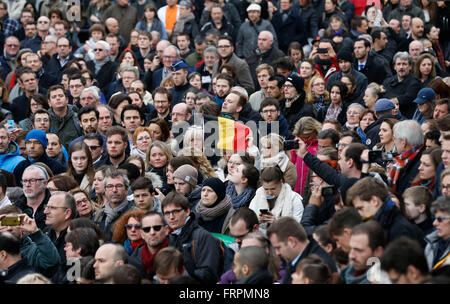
[(332, 112), (400, 162), (209, 214), (239, 200)]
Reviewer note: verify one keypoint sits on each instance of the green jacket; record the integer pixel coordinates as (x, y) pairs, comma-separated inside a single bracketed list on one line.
[(67, 127), (39, 250)]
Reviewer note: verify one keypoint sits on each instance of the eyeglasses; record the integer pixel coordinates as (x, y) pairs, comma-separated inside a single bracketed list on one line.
[(269, 111), (118, 186), (84, 200), (43, 22), (99, 50), (440, 219), (353, 113), (446, 187), (288, 86), (93, 147), (173, 212), (32, 181), (63, 46), (54, 207), (169, 57), (233, 163), (341, 145), (131, 226), (12, 45), (156, 228), (240, 237)]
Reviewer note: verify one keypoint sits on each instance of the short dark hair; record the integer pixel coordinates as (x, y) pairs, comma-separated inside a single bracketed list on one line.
[(39, 111), (78, 76), (176, 199), (347, 217), (178, 161), (284, 63), (168, 258), (247, 215), (126, 274), (280, 79), (366, 42), (354, 151), (142, 183), (130, 107), (88, 109), (69, 202), (227, 77), (95, 136), (117, 130), (84, 238), (9, 243), (376, 33), (355, 136), (269, 101), (357, 21), (331, 134), (285, 227), (210, 108), (226, 37), (366, 188), (54, 88), (270, 174), (375, 233), (162, 90)]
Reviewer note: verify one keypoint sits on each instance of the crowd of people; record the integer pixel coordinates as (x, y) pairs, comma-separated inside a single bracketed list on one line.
[(330, 162)]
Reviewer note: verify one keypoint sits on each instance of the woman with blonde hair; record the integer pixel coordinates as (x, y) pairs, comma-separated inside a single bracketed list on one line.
[(194, 137), (156, 161), (307, 129), (316, 94), (272, 154)]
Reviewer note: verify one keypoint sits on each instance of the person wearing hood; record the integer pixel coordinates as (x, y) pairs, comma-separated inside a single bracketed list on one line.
[(9, 151), (36, 143), (185, 182)]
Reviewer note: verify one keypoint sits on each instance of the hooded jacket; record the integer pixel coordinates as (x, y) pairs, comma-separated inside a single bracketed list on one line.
[(431, 250), (11, 158), (66, 127)]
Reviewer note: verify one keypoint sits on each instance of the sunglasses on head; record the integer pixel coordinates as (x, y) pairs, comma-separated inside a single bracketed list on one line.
[(156, 228)]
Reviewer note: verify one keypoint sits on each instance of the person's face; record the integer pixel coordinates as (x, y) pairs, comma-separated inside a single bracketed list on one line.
[(149, 14), (216, 14), (360, 251), (318, 87), (406, 20), (87, 98), (43, 24), (402, 67), (115, 190), (58, 99), (425, 67), (71, 253), (264, 41), (224, 48), (132, 120), (366, 209), (238, 231), (236, 177), (155, 131), (157, 157), (412, 212), (231, 104), (156, 230), (190, 102), (4, 141), (94, 147), (34, 148), (348, 84), (138, 87), (22, 147), (96, 35), (115, 146), (282, 249), (180, 77), (360, 50), (175, 216), (272, 188), (395, 25), (445, 146), (367, 120), (210, 58), (345, 66), (143, 140), (100, 52), (181, 186), (335, 95), (335, 24), (222, 87), (369, 100), (98, 183), (445, 184), (104, 263), (179, 111), (343, 143), (34, 62), (65, 81), (329, 6), (325, 45), (385, 133), (440, 110), (434, 33), (128, 58), (426, 168), (79, 161), (127, 78), (133, 229), (273, 90), (33, 190), (143, 42), (30, 30), (169, 57), (63, 48), (289, 90), (161, 103), (143, 199), (234, 161), (364, 27), (105, 119), (208, 196), (442, 227), (12, 46), (267, 150), (84, 206), (306, 70), (182, 42), (60, 31), (29, 82), (270, 113), (26, 17), (325, 142), (415, 48), (417, 27), (383, 40), (53, 147), (75, 87), (56, 213), (263, 77)]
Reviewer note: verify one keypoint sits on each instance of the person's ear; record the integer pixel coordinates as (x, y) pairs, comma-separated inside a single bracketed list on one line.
[(347, 232), (378, 251), (255, 228), (375, 201), (422, 208)]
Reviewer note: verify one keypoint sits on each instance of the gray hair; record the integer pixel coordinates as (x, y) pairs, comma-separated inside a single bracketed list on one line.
[(442, 204), (111, 112), (115, 174), (259, 236), (42, 172), (53, 38), (177, 50), (355, 105), (105, 44), (410, 131), (156, 34), (95, 91), (210, 49), (133, 69), (402, 56)]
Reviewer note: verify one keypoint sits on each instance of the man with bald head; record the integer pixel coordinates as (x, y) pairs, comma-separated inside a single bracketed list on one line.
[(415, 48), (102, 66), (107, 258), (125, 13), (417, 28)]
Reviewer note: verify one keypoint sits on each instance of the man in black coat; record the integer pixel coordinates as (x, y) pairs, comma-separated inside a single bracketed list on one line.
[(103, 68), (291, 242), (288, 25), (59, 60), (13, 266)]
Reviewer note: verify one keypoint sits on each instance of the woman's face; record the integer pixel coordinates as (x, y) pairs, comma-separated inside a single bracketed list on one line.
[(98, 182), (426, 168), (329, 6), (156, 132), (190, 99), (96, 35), (79, 161), (157, 157), (196, 142), (423, 107), (34, 106), (335, 24), (143, 140), (133, 231), (335, 95), (136, 99), (128, 58), (348, 84), (306, 70), (196, 82), (385, 133), (209, 197), (267, 150), (149, 14), (353, 115), (169, 174), (234, 161), (236, 176), (397, 106), (367, 120), (434, 33), (371, 13), (369, 100), (296, 55), (84, 205), (318, 87), (51, 187), (425, 67), (147, 64)]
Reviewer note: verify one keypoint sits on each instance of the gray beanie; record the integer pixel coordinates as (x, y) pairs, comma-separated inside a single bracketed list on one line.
[(187, 173)]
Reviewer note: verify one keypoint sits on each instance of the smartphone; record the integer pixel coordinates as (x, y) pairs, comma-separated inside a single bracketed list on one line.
[(264, 211), (11, 221), (11, 124), (290, 145), (329, 190), (374, 156), (322, 50)]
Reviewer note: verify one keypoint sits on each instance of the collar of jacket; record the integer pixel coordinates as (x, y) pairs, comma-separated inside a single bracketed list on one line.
[(395, 81)]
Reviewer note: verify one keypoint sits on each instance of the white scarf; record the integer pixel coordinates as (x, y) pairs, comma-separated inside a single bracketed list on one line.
[(281, 159)]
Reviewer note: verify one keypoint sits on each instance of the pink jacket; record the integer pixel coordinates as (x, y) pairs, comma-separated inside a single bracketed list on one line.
[(302, 168)]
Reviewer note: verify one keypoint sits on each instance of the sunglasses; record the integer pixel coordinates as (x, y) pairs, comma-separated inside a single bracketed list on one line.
[(130, 226), (440, 219), (156, 228)]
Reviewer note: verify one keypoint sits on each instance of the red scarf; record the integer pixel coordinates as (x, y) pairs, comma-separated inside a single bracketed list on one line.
[(440, 55), (135, 245), (148, 257)]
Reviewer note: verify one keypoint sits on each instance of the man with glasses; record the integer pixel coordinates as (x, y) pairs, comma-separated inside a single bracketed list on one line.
[(61, 57), (103, 68), (242, 222), (41, 120), (76, 85), (155, 233), (97, 145), (162, 100), (116, 189), (270, 113), (36, 144), (170, 54), (60, 209), (202, 254), (346, 139), (43, 28), (127, 75)]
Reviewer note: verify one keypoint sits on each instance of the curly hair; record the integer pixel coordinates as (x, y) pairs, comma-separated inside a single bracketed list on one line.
[(200, 161), (119, 230)]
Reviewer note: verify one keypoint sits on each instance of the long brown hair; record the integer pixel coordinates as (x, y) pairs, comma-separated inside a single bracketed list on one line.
[(89, 171)]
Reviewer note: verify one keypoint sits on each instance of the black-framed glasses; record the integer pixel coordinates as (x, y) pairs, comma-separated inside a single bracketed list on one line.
[(118, 186), (156, 228), (174, 212), (131, 226), (440, 219), (32, 181)]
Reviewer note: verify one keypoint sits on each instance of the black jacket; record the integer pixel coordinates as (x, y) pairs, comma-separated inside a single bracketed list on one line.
[(59, 242), (290, 30), (203, 257), (311, 248), (297, 110), (408, 173), (258, 278), (178, 92), (105, 75), (247, 114), (54, 66), (310, 17), (405, 91), (16, 271), (258, 58), (39, 216), (342, 117), (375, 69), (53, 164), (314, 216)]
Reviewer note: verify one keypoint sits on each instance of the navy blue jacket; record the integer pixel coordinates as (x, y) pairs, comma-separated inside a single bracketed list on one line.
[(291, 30)]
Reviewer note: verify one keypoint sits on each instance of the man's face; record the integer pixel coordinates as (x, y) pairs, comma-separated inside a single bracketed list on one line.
[(56, 213), (222, 87), (115, 146), (154, 238), (264, 41), (343, 240), (345, 66), (26, 17), (114, 45), (115, 190), (22, 147), (137, 86), (440, 111), (263, 78), (412, 212), (42, 122), (254, 16), (34, 62), (60, 31), (367, 209), (131, 120), (225, 48), (113, 26), (143, 199), (89, 122), (270, 113), (289, 90), (343, 143), (127, 78), (43, 24), (415, 48), (12, 46), (161, 103), (324, 142), (31, 190), (395, 25), (182, 42), (54, 147), (360, 50), (105, 119), (75, 87), (181, 186), (382, 42), (442, 226), (143, 42), (282, 249), (95, 148), (417, 27), (104, 263), (285, 5), (30, 30), (445, 146), (100, 52), (363, 28), (360, 252), (273, 90), (216, 14), (238, 231), (58, 99), (87, 98), (406, 21), (34, 148), (180, 77), (169, 57), (29, 82), (4, 141), (179, 113), (175, 216), (231, 104), (402, 67)]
